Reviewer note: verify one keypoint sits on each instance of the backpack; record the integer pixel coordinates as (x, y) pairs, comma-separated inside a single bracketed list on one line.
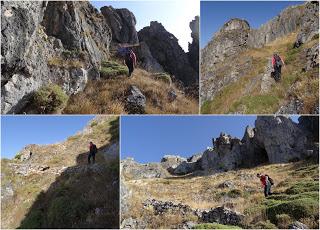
[(278, 60), (94, 148), (270, 180)]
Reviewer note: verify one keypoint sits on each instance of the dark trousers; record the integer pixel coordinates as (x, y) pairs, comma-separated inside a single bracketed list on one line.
[(93, 155), (277, 73), (267, 190), (129, 64)]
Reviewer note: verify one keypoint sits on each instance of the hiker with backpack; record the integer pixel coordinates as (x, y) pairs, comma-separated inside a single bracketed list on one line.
[(130, 60), (92, 152), (266, 182), (277, 63)]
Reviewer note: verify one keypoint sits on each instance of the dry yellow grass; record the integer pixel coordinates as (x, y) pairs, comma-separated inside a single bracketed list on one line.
[(108, 96)]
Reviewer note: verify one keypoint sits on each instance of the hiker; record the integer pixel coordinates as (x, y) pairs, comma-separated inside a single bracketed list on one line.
[(92, 152), (266, 182), (277, 63), (130, 60)]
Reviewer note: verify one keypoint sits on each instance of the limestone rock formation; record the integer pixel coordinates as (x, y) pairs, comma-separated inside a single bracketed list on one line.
[(193, 53), (131, 169), (164, 47), (222, 216), (48, 42), (122, 23)]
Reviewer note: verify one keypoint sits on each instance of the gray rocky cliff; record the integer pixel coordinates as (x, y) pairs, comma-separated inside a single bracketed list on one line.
[(48, 42)]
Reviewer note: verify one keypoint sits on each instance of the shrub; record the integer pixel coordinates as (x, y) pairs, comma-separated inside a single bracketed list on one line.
[(112, 69), (49, 99)]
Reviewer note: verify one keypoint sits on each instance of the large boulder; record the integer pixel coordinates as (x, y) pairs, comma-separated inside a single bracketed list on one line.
[(165, 48), (136, 101), (122, 23)]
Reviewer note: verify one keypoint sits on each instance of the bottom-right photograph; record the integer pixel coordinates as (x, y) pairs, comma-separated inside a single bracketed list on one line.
[(219, 172)]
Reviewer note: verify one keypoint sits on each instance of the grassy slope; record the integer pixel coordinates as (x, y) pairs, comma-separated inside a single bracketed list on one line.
[(246, 197), (69, 154), (108, 96), (236, 97)]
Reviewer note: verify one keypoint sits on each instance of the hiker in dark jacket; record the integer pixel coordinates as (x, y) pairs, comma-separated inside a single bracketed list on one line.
[(266, 183), (277, 63), (92, 152), (130, 60)]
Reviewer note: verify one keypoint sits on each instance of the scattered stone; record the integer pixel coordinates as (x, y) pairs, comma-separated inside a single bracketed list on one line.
[(298, 225), (172, 96), (226, 184), (131, 223)]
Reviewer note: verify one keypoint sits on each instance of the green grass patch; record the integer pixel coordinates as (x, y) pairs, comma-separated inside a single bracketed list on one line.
[(234, 193), (162, 77), (264, 225), (304, 186), (256, 104), (112, 69), (215, 226)]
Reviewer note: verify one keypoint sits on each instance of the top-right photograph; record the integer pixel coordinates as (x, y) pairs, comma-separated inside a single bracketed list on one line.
[(259, 57)]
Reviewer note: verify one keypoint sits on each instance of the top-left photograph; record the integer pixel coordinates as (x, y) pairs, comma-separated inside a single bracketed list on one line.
[(100, 57)]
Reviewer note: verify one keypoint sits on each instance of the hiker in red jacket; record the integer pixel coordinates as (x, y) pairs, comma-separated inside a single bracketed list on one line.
[(92, 152), (266, 184), (130, 60), (277, 63)]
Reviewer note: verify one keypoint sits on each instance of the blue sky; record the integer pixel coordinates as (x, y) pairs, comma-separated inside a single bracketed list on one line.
[(148, 138), (175, 15), (19, 131), (215, 14)]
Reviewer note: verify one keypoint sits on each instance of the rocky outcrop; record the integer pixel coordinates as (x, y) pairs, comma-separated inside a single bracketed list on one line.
[(222, 215), (122, 23), (132, 170), (193, 47), (310, 23), (164, 48), (48, 42)]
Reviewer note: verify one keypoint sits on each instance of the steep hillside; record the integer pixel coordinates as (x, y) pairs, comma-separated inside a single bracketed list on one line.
[(54, 51), (219, 188), (158, 95), (55, 188), (236, 65)]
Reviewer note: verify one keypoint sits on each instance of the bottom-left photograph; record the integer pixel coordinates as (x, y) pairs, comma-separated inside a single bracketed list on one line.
[(59, 172)]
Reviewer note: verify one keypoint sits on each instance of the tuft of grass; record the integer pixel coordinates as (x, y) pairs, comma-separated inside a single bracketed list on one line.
[(162, 77), (49, 99), (215, 226), (283, 220), (264, 225), (65, 63), (112, 69)]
